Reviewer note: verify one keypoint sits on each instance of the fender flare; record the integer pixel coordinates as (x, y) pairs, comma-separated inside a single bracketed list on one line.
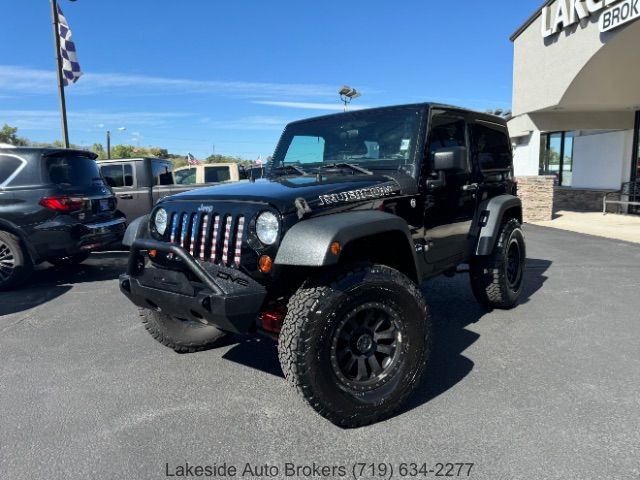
[(307, 242), (139, 228), (489, 220)]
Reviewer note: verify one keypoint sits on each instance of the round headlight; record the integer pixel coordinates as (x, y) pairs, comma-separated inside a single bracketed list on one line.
[(267, 227), (160, 221)]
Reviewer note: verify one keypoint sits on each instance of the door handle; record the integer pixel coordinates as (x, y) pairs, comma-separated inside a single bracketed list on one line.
[(470, 187), (126, 196)]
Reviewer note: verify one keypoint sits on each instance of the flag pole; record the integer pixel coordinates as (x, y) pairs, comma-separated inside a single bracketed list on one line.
[(63, 106)]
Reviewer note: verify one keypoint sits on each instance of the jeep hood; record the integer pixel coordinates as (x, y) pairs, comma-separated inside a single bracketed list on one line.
[(282, 192)]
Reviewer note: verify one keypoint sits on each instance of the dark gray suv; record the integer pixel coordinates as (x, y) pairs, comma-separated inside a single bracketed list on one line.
[(54, 206)]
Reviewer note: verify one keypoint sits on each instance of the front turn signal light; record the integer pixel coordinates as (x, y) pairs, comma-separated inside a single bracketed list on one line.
[(335, 248), (265, 263)]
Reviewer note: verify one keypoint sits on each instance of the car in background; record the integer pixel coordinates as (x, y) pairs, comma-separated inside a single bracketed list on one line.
[(140, 182), (54, 206), (252, 173), (207, 173)]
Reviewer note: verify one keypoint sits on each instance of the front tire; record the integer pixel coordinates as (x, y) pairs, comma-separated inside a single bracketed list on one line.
[(497, 280), (15, 263), (356, 346), (184, 336)]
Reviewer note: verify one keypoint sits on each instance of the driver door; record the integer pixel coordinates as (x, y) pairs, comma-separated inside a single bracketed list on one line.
[(451, 197)]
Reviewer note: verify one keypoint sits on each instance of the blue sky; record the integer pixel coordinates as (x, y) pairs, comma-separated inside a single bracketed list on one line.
[(193, 74)]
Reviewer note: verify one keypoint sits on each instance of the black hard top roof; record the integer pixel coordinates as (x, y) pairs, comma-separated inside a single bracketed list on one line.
[(423, 105)]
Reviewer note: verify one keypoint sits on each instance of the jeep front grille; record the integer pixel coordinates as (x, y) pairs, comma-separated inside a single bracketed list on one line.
[(213, 236)]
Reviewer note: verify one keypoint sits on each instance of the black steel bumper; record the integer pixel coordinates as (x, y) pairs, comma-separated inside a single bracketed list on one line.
[(221, 296)]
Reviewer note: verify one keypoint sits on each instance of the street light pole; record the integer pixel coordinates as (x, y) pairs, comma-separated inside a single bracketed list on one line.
[(109, 144), (347, 94)]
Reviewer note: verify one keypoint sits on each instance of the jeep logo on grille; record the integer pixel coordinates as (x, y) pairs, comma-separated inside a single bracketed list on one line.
[(205, 208)]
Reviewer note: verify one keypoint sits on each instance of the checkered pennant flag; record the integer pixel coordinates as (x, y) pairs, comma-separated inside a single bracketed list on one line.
[(70, 66)]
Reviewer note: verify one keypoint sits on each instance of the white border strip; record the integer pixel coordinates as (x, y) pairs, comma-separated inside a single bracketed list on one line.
[(17, 170)]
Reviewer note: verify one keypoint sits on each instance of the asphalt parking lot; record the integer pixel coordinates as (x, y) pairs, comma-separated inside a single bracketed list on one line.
[(550, 390)]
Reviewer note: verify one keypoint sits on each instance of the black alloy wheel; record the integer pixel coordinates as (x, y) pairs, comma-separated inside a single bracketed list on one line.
[(15, 263), (514, 264), (366, 347), (7, 262)]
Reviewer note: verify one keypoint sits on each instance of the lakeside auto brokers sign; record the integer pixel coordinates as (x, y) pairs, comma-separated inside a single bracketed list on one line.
[(565, 13)]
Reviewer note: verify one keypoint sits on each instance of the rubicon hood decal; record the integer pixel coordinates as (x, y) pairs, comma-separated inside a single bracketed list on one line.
[(357, 195), (283, 192)]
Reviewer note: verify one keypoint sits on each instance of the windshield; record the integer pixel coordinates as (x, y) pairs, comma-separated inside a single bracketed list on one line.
[(74, 171), (374, 139)]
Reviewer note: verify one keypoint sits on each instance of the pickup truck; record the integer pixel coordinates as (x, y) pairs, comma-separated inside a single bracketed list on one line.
[(208, 173), (140, 182)]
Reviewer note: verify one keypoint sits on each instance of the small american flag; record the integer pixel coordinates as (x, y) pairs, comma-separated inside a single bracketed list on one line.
[(70, 66), (191, 160)]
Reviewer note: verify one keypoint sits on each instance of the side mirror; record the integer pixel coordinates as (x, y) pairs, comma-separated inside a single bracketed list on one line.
[(450, 158)]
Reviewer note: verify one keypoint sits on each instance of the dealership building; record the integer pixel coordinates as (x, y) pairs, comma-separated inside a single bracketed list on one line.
[(576, 99)]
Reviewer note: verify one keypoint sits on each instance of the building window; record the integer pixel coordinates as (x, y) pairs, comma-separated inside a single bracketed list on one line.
[(556, 157)]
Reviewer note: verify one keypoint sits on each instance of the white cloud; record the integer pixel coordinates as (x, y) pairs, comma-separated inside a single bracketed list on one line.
[(338, 107), (23, 80), (43, 120)]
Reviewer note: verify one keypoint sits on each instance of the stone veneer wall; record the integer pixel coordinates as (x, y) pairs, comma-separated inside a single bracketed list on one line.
[(582, 200), (536, 194)]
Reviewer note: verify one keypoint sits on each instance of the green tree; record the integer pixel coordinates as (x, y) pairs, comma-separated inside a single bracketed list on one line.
[(9, 135), (123, 151), (99, 150)]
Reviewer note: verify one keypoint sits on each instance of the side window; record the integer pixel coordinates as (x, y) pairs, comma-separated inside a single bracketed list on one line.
[(446, 131), (128, 175), (8, 166), (491, 146), (186, 176), (113, 175), (162, 173), (216, 174)]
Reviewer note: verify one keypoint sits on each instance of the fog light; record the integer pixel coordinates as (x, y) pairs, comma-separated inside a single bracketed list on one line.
[(265, 263)]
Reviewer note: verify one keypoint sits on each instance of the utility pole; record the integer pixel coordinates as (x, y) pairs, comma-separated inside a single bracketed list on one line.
[(63, 105), (108, 144)]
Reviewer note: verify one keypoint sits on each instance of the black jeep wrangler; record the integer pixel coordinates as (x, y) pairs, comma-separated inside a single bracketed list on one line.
[(327, 253)]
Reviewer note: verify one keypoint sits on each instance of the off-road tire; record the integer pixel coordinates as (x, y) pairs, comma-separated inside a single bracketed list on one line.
[(491, 280), (315, 314), (184, 336), (70, 260), (15, 263)]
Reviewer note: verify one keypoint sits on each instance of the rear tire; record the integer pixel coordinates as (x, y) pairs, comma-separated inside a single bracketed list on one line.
[(356, 346), (70, 260), (497, 279), (184, 336), (15, 263)]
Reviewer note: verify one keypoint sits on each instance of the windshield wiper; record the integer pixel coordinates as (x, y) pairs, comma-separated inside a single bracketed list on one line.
[(352, 166), (295, 168)]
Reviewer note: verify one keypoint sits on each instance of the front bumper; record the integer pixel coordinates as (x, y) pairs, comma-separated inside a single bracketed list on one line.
[(216, 295)]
